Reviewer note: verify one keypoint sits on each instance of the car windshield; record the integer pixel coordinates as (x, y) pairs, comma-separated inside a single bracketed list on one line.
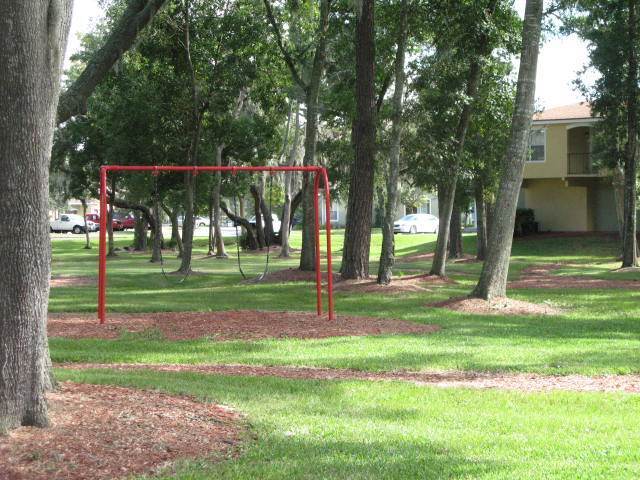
[(408, 218)]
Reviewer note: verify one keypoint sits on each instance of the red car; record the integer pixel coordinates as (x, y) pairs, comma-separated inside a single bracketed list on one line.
[(128, 222), (116, 224)]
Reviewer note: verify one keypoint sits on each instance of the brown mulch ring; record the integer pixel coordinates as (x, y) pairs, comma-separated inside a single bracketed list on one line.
[(229, 325), (540, 276), (403, 284), (498, 306), (509, 381), (72, 281), (419, 257), (106, 432)]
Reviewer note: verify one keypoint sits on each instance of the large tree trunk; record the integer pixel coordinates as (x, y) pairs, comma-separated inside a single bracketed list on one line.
[(260, 234), (217, 229), (481, 221), (140, 233), (629, 239), (121, 38), (32, 43), (357, 235), (252, 241), (455, 232), (617, 183), (285, 223), (312, 91), (87, 244), (493, 278), (387, 254)]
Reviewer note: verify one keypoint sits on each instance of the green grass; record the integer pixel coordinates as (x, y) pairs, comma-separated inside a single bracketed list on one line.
[(598, 332), (364, 430)]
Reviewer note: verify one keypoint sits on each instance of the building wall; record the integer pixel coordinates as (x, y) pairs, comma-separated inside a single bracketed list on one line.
[(555, 164), (556, 206)]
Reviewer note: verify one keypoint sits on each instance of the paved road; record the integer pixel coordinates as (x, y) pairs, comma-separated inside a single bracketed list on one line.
[(166, 231)]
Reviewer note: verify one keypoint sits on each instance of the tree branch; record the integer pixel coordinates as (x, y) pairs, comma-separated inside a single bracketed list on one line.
[(285, 53), (73, 101)]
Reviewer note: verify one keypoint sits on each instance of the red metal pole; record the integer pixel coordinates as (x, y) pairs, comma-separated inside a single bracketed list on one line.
[(102, 266), (316, 209), (327, 200)]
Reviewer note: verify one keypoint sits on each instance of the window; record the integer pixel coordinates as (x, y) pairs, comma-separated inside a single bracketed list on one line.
[(537, 145), (64, 218), (425, 207), (334, 215)]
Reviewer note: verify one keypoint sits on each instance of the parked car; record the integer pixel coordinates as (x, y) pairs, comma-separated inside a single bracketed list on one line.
[(202, 221), (71, 223), (128, 222), (417, 223), (95, 218), (274, 219)]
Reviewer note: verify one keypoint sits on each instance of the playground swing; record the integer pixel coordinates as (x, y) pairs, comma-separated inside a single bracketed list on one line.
[(316, 173), (265, 272)]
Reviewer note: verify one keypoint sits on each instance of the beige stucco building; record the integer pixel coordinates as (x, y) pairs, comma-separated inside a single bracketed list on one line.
[(560, 183)]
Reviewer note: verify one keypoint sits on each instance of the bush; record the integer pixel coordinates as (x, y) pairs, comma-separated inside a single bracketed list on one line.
[(525, 222)]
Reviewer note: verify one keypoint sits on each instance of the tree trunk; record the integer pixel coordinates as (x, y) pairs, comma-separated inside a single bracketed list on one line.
[(629, 239), (312, 91), (481, 221), (493, 278), (387, 254), (252, 241), (258, 214), (357, 235), (140, 233), (87, 244), (192, 155), (175, 228), (156, 254), (111, 246), (455, 232), (217, 229), (32, 43), (285, 223)]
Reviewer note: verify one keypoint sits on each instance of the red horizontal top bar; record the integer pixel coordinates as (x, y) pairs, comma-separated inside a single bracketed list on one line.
[(185, 168)]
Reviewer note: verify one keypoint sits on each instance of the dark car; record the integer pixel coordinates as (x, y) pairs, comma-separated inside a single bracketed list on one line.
[(116, 224)]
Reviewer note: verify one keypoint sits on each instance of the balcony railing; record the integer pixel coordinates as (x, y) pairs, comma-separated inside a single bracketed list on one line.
[(579, 164)]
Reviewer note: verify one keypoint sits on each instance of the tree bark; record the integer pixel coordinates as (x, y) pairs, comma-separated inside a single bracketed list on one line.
[(87, 244), (387, 254), (493, 278), (175, 228), (629, 239), (156, 254), (481, 221), (32, 43), (192, 154), (285, 223), (252, 241), (357, 235), (135, 17), (139, 233), (219, 240), (259, 225), (312, 91), (455, 232)]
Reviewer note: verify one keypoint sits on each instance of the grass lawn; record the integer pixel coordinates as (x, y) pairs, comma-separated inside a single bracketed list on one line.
[(358, 429)]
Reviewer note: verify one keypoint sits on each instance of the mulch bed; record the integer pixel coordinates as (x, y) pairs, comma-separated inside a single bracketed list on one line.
[(498, 306), (403, 284), (229, 325), (518, 381), (107, 432), (540, 276), (73, 281)]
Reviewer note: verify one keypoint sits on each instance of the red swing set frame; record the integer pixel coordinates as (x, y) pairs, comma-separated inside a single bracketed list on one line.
[(318, 172)]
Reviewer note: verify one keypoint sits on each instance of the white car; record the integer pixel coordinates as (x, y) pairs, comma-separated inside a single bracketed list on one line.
[(417, 223), (202, 221), (71, 223), (274, 219)]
